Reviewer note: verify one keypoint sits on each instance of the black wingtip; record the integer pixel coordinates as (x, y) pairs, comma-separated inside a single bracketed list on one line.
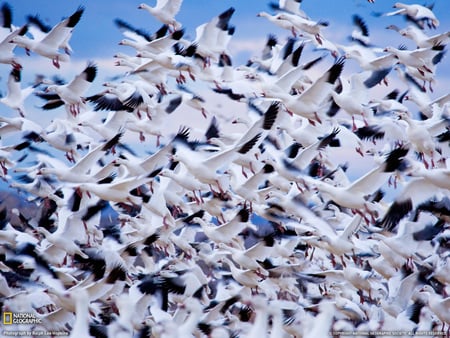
[(177, 35), (370, 133), (395, 214), (117, 273), (75, 17), (394, 159), (335, 71), (376, 77), (271, 115), (213, 129), (91, 71), (268, 168), (36, 20), (296, 55), (328, 139), (162, 31), (16, 73), (23, 30), (112, 142), (271, 40), (244, 215), (224, 18), (359, 21), (249, 144), (7, 15), (52, 104)]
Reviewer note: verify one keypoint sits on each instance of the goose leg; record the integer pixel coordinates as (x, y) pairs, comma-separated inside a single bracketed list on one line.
[(317, 117), (55, 62), (4, 169), (197, 201), (141, 136), (318, 39), (243, 172), (353, 124), (359, 151)]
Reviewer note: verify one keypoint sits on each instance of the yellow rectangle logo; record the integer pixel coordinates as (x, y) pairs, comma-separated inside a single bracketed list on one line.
[(7, 318)]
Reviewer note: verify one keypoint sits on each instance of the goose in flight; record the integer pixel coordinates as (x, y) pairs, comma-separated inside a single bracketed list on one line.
[(421, 39), (309, 102), (16, 96), (289, 6), (71, 94), (51, 42), (353, 196), (419, 14), (7, 32), (165, 11)]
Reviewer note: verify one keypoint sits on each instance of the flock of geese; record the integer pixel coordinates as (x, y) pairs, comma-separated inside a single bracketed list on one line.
[(251, 219)]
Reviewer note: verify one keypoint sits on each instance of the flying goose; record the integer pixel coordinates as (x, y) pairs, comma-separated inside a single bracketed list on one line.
[(439, 305), (16, 96), (165, 11), (419, 14), (309, 102), (50, 44), (352, 196), (71, 94), (421, 39)]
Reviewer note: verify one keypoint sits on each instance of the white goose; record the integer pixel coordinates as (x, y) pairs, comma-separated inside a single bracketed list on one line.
[(206, 169), (354, 100), (305, 25), (61, 245), (83, 169), (290, 6), (212, 38), (352, 196), (439, 177), (368, 59), (414, 193), (49, 45), (419, 58), (275, 19), (115, 191), (246, 259), (168, 61), (337, 244), (7, 47), (7, 32), (165, 11), (159, 45), (16, 96), (422, 40), (246, 277), (418, 13), (71, 94), (438, 305), (309, 103), (182, 178), (227, 232), (81, 325), (424, 102), (420, 137)]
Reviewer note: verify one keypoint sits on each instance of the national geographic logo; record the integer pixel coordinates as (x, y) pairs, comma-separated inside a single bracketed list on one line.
[(7, 318), (10, 318)]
